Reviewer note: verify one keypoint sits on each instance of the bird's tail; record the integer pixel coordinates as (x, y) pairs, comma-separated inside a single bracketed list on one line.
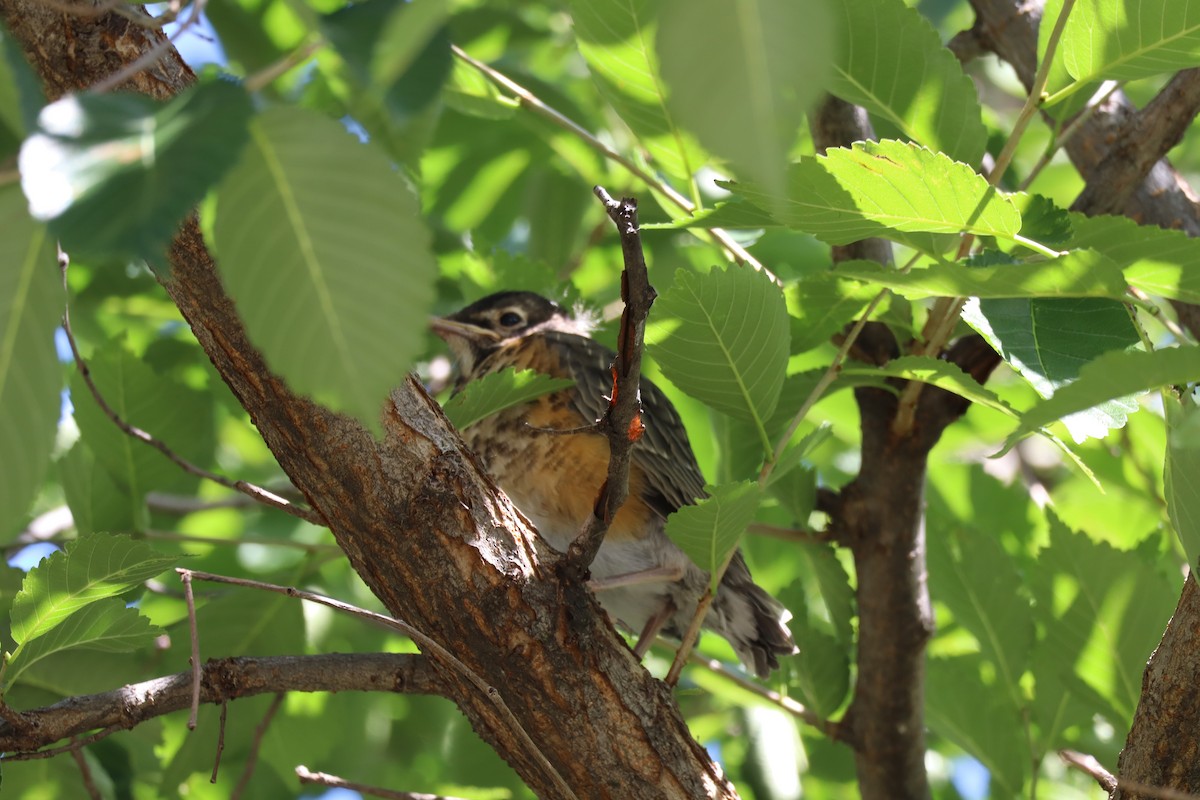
[(754, 622)]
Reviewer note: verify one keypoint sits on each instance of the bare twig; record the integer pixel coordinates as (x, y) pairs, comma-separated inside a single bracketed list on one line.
[(252, 758), (224, 679), (220, 742), (529, 100), (797, 710), (85, 774), (194, 634), (688, 642), (622, 422), (325, 779), (428, 645), (1077, 124), (269, 73), (1110, 783), (789, 534), (250, 490)]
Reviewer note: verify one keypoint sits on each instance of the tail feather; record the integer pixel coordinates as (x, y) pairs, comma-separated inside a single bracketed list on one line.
[(754, 622)]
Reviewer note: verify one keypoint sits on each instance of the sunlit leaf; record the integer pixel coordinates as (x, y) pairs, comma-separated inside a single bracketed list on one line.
[(617, 41), (88, 569), (103, 625), (892, 62), (889, 189), (1157, 261)]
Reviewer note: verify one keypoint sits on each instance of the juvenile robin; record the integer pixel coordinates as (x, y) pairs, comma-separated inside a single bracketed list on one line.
[(640, 577)]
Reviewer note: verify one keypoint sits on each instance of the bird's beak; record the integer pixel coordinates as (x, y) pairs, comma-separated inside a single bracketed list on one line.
[(450, 329)]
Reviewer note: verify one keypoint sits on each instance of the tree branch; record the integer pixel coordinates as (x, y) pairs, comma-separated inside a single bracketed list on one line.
[(222, 680), (622, 421)]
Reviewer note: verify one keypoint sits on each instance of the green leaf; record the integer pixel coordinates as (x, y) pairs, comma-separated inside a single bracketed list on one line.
[(1103, 612), (102, 625), (469, 92), (398, 52), (30, 380), (92, 154), (977, 717), (1108, 40), (1048, 341), (1157, 261), (795, 454), (91, 568), (744, 58), (617, 41), (1080, 273), (938, 373), (709, 531), (820, 672), (500, 390), (889, 189), (979, 582), (174, 413), (21, 95), (96, 501), (1182, 475), (320, 242), (822, 305), (723, 338), (891, 61), (1114, 375)]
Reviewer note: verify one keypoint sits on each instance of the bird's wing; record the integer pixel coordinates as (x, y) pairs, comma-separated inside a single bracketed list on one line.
[(664, 452)]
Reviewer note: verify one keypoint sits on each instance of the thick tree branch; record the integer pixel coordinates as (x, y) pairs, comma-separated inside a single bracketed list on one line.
[(1141, 142), (424, 527), (222, 680)]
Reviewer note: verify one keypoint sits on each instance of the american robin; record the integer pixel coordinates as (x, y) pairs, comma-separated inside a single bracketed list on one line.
[(640, 577)]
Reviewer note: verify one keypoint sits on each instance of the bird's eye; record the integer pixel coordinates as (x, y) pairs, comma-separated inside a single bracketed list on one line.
[(510, 319)]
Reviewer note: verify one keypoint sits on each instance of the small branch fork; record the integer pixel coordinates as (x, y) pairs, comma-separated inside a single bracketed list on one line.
[(622, 421), (1110, 783)]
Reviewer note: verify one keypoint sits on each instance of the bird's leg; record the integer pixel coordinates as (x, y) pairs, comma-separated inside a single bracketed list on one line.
[(653, 575), (653, 626)]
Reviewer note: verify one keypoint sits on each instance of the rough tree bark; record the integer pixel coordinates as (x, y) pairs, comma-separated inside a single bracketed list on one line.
[(566, 703), (1120, 152)]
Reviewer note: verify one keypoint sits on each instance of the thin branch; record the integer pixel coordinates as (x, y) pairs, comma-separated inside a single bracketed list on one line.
[(428, 645), (789, 534), (224, 680), (622, 421), (85, 774), (797, 710), (255, 746), (688, 642), (1077, 124), (269, 73), (220, 742), (250, 490), (194, 635), (325, 779), (264, 541), (1110, 783), (529, 100)]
